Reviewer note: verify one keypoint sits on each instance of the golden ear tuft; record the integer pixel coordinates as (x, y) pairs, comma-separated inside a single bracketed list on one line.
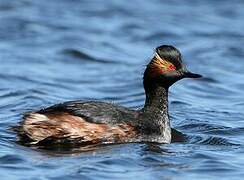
[(159, 66)]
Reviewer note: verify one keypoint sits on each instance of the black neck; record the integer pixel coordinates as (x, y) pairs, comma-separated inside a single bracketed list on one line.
[(157, 99), (155, 112)]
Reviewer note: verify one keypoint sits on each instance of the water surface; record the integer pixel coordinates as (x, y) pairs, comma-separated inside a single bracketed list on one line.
[(53, 51)]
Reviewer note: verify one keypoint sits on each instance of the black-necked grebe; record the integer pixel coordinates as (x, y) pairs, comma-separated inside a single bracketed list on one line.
[(91, 122)]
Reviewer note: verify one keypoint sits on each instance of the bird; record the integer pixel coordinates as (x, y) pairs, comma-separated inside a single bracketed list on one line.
[(94, 122)]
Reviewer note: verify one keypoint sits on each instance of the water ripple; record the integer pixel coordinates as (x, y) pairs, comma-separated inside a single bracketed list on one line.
[(53, 51), (85, 57)]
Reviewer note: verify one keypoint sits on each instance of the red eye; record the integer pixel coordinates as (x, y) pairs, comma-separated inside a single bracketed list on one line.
[(171, 67)]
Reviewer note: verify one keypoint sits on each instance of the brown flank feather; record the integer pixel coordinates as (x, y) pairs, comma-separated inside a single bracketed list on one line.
[(39, 127)]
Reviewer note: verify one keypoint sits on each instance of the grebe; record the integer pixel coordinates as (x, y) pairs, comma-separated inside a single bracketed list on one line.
[(91, 122)]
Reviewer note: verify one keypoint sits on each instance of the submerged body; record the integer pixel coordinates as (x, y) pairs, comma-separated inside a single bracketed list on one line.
[(80, 122)]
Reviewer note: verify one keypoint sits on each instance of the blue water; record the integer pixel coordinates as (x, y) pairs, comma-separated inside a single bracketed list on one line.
[(59, 50)]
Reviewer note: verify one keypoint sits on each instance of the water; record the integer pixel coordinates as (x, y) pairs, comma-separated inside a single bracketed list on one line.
[(53, 51)]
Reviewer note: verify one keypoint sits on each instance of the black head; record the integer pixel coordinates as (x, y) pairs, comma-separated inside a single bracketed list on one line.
[(166, 67)]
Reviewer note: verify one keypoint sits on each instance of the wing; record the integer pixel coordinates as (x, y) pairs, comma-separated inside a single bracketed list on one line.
[(95, 112)]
